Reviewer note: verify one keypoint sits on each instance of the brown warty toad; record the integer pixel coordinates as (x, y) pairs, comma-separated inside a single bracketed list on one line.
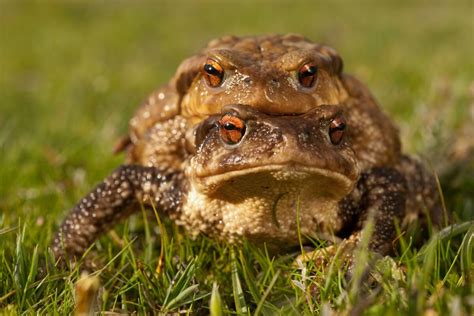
[(253, 137)]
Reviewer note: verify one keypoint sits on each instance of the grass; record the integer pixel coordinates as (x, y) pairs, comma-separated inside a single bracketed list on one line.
[(71, 75)]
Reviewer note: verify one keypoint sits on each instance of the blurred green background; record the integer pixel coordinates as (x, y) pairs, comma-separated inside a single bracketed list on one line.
[(72, 73)]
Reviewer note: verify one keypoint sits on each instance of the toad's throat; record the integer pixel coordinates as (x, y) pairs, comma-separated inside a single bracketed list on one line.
[(266, 204)]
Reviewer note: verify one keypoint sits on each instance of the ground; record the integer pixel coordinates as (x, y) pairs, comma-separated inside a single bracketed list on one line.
[(71, 75)]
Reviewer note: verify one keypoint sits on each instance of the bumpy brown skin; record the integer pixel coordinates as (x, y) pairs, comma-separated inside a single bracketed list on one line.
[(260, 72), (284, 172)]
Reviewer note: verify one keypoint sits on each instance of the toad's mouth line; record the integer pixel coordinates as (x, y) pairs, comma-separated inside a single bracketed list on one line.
[(293, 170)]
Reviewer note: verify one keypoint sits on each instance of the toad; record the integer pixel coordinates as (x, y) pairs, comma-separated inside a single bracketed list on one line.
[(261, 138)]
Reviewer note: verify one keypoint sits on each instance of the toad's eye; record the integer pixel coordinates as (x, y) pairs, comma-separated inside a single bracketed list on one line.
[(213, 72), (307, 75), (231, 129), (337, 129)]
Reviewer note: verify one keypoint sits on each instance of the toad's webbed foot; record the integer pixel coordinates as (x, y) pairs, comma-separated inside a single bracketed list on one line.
[(116, 198)]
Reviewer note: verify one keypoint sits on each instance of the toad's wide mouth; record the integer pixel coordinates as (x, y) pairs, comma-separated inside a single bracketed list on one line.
[(287, 172)]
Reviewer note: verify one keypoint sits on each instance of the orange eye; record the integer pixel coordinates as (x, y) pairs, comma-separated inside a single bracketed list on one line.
[(337, 129), (213, 72), (307, 75), (231, 129)]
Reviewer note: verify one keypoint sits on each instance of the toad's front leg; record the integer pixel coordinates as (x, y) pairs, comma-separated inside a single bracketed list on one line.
[(380, 195), (116, 198)]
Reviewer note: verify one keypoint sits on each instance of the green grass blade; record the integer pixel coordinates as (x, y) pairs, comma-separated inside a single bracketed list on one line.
[(215, 304), (239, 297)]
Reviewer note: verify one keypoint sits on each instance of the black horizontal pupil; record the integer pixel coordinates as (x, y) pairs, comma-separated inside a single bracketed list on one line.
[(229, 126), (210, 69)]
